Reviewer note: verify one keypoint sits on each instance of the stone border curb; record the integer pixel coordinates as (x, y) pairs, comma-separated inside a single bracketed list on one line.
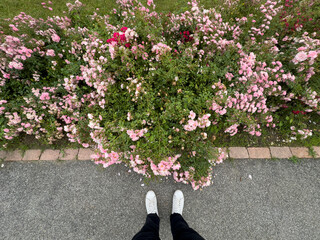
[(231, 152)]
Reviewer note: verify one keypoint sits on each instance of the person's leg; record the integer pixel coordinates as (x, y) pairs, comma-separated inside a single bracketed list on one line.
[(181, 230), (150, 230), (179, 227)]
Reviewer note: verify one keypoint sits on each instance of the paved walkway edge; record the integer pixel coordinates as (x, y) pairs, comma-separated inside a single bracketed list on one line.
[(231, 152)]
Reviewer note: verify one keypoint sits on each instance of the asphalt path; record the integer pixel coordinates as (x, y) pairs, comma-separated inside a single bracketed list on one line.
[(250, 199)]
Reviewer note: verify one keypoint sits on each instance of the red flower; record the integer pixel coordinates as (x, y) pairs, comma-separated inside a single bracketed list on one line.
[(116, 35), (127, 45), (124, 29), (299, 112), (122, 38), (111, 40)]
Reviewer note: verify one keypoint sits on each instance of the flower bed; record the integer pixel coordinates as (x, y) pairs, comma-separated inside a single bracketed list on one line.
[(152, 90)]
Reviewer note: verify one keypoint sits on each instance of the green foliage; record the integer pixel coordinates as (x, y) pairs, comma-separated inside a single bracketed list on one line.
[(312, 152), (97, 88), (294, 159)]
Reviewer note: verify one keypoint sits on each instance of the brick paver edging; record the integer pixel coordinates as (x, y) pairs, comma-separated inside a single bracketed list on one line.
[(232, 152)]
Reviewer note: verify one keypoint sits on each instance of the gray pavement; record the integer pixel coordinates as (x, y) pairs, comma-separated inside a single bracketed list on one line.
[(78, 200)]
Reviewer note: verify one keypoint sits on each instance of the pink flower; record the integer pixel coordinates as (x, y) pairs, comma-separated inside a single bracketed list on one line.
[(137, 160), (312, 54), (6, 75), (269, 119), (45, 96), (16, 65), (149, 2), (192, 125), (176, 166), (6, 130), (301, 56), (55, 38), (114, 156), (233, 129), (129, 116), (204, 121), (112, 50), (229, 76), (160, 49), (154, 167), (223, 111), (13, 28), (50, 53), (192, 115)]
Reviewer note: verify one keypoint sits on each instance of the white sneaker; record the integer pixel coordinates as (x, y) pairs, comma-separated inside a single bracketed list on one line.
[(151, 203), (177, 202)]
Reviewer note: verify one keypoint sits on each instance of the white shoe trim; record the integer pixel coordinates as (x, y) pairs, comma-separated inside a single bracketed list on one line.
[(177, 202), (151, 203)]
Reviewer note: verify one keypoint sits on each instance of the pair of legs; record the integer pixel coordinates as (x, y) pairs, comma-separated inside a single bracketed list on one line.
[(179, 227)]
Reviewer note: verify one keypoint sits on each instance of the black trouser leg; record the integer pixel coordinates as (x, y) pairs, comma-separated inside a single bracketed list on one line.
[(180, 229), (150, 230)]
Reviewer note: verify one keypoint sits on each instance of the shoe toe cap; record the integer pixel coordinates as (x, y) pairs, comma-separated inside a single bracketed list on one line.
[(151, 194)]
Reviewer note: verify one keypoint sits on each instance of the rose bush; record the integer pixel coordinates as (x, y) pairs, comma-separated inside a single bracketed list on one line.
[(152, 90)]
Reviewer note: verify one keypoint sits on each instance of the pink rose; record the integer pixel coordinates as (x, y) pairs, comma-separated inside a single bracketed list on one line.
[(45, 96), (312, 54), (50, 53), (301, 56), (85, 145), (55, 38), (114, 156), (192, 115), (13, 28)]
